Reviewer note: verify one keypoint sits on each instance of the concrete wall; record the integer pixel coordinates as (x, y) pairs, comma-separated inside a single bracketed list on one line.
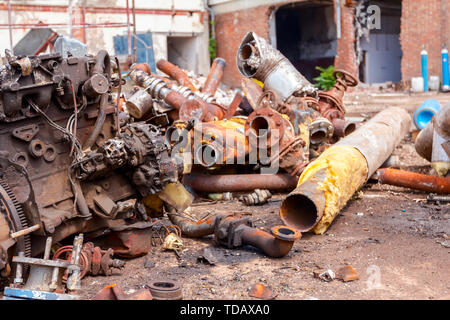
[(186, 18)]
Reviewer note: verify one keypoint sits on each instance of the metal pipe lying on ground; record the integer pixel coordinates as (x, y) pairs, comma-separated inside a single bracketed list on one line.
[(239, 182), (329, 182), (233, 231), (214, 77), (413, 180)]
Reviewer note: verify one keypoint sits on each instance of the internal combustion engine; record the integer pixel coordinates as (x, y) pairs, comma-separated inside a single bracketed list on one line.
[(69, 160)]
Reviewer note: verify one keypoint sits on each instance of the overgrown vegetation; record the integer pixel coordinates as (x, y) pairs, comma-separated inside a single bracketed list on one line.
[(212, 45), (326, 80)]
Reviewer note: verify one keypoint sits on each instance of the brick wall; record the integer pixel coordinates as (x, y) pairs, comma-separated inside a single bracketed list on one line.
[(423, 22), (230, 30), (346, 56)]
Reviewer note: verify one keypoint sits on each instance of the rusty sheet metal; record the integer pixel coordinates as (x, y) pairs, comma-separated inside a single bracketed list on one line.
[(413, 180)]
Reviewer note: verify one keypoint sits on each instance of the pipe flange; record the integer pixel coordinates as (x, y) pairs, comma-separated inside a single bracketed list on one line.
[(285, 233), (50, 153), (36, 148), (165, 290), (270, 122)]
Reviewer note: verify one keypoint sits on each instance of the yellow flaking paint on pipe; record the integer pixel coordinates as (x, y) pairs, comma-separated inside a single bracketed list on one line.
[(346, 171)]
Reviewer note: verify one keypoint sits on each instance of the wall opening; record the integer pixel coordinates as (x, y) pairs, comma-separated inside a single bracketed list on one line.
[(306, 35), (182, 51), (381, 52)]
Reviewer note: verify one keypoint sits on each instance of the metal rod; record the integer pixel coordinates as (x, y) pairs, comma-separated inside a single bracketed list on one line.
[(128, 27), (103, 10), (10, 28), (413, 180), (62, 25), (48, 248), (134, 32), (26, 231)]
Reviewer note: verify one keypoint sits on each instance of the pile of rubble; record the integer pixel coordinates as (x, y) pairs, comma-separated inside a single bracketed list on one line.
[(84, 149)]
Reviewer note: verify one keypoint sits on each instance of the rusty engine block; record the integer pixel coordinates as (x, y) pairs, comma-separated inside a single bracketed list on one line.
[(69, 160)]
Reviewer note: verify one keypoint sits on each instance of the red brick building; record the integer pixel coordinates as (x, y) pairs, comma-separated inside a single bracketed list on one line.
[(314, 33)]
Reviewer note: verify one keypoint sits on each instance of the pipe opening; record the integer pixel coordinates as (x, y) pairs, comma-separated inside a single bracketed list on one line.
[(261, 126), (318, 136), (424, 117), (349, 128), (286, 231), (299, 212), (163, 285), (246, 52)]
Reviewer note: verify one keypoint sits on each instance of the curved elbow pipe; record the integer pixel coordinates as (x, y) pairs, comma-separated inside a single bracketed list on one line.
[(275, 245), (193, 229), (176, 73), (103, 63), (98, 126)]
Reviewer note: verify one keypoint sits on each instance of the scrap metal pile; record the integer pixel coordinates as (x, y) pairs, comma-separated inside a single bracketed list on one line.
[(85, 150)]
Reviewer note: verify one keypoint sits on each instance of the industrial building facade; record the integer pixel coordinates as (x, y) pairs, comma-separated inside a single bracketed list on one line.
[(321, 33)]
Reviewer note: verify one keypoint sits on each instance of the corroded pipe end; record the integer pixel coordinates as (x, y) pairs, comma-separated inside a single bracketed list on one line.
[(343, 128), (285, 233), (303, 208)]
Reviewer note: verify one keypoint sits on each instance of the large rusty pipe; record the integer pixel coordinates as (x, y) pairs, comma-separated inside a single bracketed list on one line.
[(176, 73), (193, 229), (413, 180), (214, 77), (239, 182), (329, 182), (275, 245)]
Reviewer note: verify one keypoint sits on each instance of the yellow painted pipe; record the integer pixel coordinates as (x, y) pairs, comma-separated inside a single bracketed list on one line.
[(327, 183)]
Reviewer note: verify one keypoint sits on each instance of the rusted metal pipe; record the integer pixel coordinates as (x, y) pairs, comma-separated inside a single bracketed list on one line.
[(275, 245), (329, 182), (234, 230), (239, 182), (214, 77), (176, 73), (187, 108), (413, 180), (98, 126), (193, 229)]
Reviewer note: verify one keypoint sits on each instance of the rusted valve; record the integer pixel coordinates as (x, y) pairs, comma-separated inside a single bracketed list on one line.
[(331, 105)]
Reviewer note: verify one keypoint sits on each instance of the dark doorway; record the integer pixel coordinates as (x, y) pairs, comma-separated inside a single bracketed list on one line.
[(381, 52), (306, 35)]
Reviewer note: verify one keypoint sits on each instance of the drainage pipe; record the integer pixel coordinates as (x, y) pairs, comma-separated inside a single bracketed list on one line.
[(329, 182)]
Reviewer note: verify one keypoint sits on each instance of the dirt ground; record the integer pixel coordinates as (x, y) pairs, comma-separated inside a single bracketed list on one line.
[(398, 243)]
